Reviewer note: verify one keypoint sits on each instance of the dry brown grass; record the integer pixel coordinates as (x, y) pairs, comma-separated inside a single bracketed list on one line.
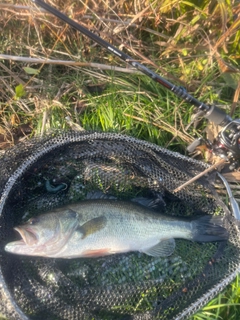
[(183, 42)]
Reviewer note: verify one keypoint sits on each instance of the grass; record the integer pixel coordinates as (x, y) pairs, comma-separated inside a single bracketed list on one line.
[(194, 44), (224, 306)]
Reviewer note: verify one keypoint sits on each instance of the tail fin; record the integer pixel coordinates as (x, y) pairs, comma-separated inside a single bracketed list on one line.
[(209, 228)]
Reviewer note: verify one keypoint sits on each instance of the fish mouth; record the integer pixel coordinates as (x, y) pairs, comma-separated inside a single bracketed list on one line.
[(28, 236)]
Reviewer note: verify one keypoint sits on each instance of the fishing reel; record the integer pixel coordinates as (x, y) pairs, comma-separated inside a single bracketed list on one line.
[(227, 143), (228, 140)]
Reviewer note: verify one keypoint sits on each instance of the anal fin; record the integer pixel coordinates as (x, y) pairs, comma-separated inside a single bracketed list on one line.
[(162, 249)]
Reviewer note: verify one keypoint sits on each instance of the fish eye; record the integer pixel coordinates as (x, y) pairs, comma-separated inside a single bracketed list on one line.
[(33, 221)]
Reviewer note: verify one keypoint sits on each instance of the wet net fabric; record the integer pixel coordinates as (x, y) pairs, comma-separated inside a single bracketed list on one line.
[(41, 174)]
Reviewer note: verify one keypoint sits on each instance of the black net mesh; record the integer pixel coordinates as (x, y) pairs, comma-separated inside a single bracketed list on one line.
[(62, 168)]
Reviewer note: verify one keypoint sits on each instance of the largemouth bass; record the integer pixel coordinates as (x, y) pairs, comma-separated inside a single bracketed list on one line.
[(102, 227)]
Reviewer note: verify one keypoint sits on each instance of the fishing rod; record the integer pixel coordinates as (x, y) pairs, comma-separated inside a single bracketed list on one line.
[(227, 143)]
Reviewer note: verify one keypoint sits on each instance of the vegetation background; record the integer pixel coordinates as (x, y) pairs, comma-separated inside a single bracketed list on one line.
[(53, 77)]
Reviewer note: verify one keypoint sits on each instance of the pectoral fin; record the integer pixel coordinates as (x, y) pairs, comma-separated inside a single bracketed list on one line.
[(92, 226), (162, 249)]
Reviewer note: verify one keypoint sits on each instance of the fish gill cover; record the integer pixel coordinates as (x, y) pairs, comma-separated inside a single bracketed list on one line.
[(60, 169)]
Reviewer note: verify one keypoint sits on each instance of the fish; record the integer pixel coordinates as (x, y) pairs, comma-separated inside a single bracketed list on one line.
[(95, 228)]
